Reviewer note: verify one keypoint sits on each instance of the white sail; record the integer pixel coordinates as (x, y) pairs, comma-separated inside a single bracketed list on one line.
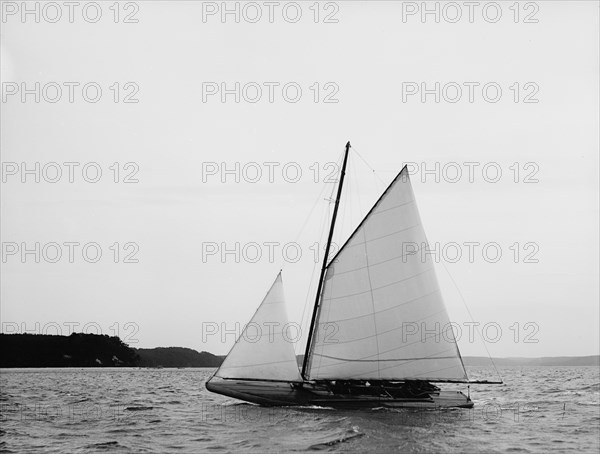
[(381, 314), (264, 350)]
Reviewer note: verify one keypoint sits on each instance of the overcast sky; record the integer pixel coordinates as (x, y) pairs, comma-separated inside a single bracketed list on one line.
[(361, 68)]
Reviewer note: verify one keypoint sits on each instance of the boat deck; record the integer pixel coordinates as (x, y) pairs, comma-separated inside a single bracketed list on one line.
[(282, 393)]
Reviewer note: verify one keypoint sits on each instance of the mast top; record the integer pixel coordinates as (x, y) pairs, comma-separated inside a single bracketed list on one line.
[(348, 145)]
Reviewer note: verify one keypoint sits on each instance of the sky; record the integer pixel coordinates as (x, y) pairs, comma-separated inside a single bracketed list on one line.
[(201, 153)]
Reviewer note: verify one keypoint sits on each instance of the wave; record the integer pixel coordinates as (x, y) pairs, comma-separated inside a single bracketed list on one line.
[(347, 436)]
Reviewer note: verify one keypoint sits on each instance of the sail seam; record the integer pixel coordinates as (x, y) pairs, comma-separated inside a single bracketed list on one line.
[(378, 288), (419, 376), (399, 348), (339, 273), (402, 346), (437, 370), (384, 236), (372, 301), (383, 310), (393, 207), (386, 360), (387, 331), (407, 362)]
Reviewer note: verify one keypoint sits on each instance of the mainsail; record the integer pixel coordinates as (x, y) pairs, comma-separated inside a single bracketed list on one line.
[(264, 349), (381, 313)]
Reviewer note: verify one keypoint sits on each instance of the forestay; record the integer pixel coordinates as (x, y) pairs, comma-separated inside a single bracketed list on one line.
[(264, 349), (381, 314)]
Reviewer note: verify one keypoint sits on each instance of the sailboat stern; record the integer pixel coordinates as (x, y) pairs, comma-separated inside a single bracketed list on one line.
[(453, 399)]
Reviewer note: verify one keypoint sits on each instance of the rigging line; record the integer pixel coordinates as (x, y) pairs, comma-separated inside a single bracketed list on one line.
[(357, 190), (368, 165), (322, 230), (312, 365), (352, 188), (368, 265), (315, 203), (344, 208), (472, 320), (310, 290)]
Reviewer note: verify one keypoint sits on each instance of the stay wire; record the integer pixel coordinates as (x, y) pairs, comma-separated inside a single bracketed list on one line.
[(472, 320), (324, 223)]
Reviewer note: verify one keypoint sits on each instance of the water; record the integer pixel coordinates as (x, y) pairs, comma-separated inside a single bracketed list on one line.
[(543, 409)]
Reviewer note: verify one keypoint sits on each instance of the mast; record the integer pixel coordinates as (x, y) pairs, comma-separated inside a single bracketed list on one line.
[(324, 267)]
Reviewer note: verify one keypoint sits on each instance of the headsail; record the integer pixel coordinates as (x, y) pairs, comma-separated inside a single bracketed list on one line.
[(381, 304), (264, 349)]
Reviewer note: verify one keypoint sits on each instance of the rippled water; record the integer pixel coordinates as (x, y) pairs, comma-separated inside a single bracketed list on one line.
[(169, 410)]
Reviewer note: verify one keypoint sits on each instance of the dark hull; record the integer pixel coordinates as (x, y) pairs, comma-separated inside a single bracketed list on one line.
[(282, 393)]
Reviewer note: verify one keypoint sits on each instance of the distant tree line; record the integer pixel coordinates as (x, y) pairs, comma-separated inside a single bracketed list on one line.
[(93, 350), (176, 357), (76, 350)]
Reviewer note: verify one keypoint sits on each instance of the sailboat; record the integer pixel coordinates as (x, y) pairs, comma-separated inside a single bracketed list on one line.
[(357, 354)]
